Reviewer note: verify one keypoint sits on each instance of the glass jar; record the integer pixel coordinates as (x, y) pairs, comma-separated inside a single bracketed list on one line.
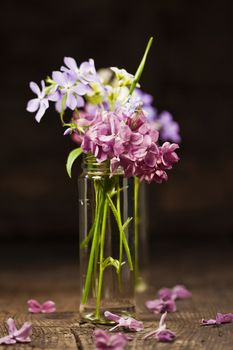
[(106, 232)]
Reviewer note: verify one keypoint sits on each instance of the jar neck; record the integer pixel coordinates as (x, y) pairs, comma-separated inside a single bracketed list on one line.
[(91, 167)]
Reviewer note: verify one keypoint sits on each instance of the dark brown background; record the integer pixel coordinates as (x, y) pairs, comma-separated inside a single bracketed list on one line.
[(189, 71)]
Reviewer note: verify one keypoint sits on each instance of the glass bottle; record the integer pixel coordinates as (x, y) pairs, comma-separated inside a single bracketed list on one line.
[(106, 232)]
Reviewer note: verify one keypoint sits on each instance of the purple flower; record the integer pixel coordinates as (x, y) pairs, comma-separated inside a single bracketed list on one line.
[(35, 307), (169, 129), (161, 306), (21, 335), (162, 334), (86, 73), (69, 87), (39, 104), (126, 322), (107, 341), (219, 319), (177, 292)]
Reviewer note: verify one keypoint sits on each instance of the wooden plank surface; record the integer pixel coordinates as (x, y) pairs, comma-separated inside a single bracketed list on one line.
[(206, 272)]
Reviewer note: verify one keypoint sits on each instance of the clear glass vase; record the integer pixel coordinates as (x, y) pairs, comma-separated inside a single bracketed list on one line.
[(107, 241)]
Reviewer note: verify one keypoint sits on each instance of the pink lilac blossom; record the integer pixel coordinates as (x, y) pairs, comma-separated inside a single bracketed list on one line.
[(177, 292), (162, 334), (219, 319), (160, 306), (126, 322), (21, 335), (104, 340), (129, 142), (35, 307)]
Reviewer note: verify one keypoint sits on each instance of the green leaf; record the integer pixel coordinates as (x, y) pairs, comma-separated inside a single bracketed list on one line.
[(141, 67), (71, 158)]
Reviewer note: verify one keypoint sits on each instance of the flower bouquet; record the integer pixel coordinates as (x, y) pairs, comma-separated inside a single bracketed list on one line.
[(110, 121)]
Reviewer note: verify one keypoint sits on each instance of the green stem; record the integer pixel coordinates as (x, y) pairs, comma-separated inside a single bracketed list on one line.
[(136, 196), (141, 67), (121, 231), (101, 270), (124, 240), (94, 246)]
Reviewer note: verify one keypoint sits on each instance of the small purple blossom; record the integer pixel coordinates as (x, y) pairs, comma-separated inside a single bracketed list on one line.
[(21, 335), (177, 292), (126, 322), (162, 334), (161, 306), (219, 319), (39, 104), (35, 307), (104, 340), (169, 128), (71, 89), (86, 73)]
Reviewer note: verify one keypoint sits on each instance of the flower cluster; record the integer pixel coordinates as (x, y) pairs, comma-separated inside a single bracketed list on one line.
[(109, 118)]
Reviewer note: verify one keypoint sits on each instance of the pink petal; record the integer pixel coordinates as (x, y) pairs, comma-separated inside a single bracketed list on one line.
[(181, 292), (48, 307), (11, 326), (112, 317), (34, 306), (7, 340), (23, 334), (208, 322)]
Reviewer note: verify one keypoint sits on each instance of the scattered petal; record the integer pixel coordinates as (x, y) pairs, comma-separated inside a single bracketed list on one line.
[(48, 307), (35, 307), (105, 340), (126, 322), (219, 319), (161, 306), (21, 335), (161, 334), (177, 292)]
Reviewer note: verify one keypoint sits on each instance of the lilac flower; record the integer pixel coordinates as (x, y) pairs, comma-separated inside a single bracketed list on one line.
[(219, 319), (177, 292), (126, 322), (162, 334), (107, 341), (129, 141), (169, 128), (86, 73), (21, 335), (35, 307), (161, 306), (39, 104), (71, 89)]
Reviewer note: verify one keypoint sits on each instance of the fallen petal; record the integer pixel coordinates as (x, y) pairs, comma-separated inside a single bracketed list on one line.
[(23, 334), (165, 336), (34, 306), (7, 340), (105, 340), (48, 306)]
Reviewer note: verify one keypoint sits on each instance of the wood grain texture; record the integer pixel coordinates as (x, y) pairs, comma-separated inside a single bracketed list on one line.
[(209, 279)]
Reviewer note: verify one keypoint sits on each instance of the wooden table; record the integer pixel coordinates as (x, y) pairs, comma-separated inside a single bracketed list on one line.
[(48, 271)]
